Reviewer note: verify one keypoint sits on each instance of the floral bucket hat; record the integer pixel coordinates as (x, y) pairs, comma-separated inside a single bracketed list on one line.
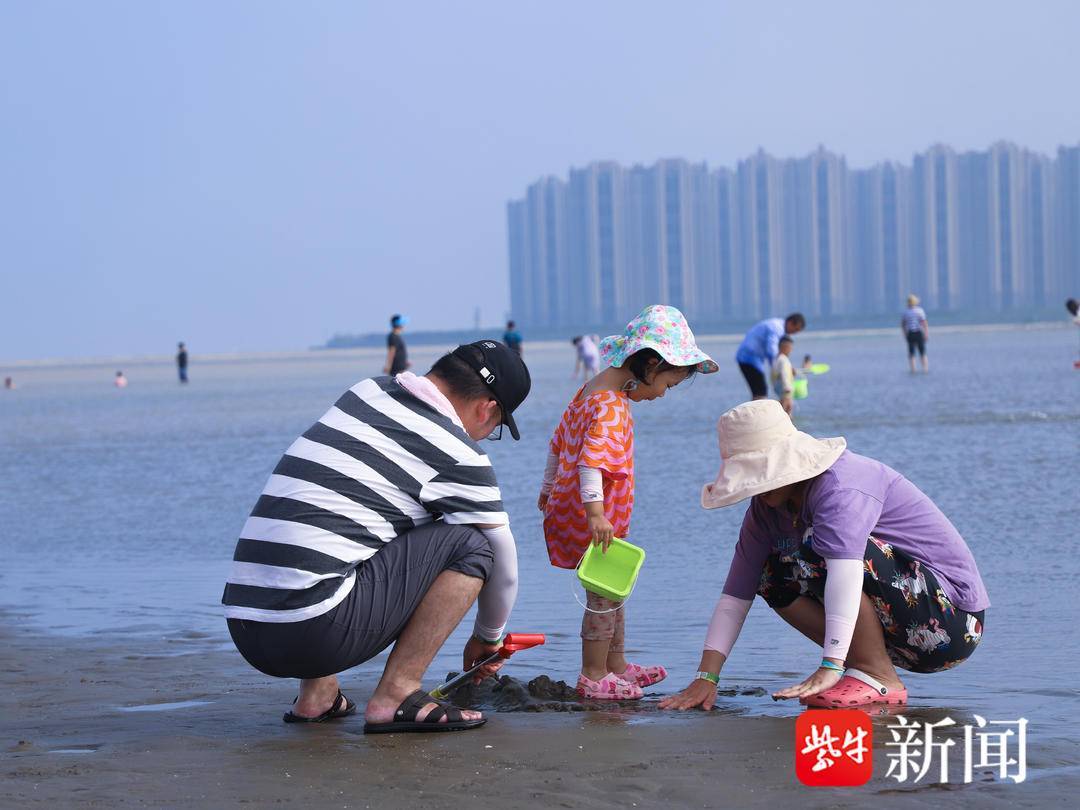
[(662, 329)]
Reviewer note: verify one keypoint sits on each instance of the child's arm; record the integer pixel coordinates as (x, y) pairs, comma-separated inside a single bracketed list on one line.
[(550, 469), (591, 484)]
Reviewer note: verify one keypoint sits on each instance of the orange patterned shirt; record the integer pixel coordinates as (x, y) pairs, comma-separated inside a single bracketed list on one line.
[(595, 431)]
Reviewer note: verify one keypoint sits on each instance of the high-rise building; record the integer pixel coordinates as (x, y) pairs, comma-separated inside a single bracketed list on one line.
[(879, 243), (1066, 278), (987, 231)]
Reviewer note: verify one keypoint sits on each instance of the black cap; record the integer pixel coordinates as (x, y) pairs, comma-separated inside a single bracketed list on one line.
[(504, 373)]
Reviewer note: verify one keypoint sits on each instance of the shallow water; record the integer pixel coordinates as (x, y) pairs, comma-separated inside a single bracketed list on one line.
[(121, 507)]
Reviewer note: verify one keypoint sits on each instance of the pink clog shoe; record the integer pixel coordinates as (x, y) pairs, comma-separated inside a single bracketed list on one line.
[(610, 687), (856, 689), (643, 676)]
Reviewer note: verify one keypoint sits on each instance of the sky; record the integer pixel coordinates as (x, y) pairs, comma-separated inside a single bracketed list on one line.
[(251, 176)]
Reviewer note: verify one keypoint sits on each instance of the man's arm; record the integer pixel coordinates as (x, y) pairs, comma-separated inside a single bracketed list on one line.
[(499, 592), (772, 347), (391, 351)]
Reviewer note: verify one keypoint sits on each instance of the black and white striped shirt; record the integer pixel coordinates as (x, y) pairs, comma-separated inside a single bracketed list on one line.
[(913, 319), (380, 462)]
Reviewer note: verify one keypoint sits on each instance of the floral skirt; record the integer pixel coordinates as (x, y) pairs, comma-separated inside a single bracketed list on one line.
[(924, 631)]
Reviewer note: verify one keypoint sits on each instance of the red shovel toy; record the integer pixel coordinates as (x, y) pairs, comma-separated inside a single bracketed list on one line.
[(514, 642)]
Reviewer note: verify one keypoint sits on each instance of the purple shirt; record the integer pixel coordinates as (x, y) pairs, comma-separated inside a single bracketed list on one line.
[(855, 498)]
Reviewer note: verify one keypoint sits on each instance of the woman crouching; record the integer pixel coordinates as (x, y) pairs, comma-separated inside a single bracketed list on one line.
[(849, 553)]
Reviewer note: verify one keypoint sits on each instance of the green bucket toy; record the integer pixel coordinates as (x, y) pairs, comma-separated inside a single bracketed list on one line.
[(611, 575), (800, 388)]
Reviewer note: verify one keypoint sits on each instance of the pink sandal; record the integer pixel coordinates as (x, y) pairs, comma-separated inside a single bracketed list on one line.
[(643, 676), (610, 687), (855, 689)]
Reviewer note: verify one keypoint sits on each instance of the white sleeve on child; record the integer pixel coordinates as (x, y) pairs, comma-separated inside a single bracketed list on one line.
[(550, 470), (843, 594), (591, 484), (726, 624), (787, 377), (499, 592)]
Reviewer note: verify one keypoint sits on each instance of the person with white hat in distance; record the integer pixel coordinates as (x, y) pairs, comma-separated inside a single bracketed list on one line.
[(849, 553)]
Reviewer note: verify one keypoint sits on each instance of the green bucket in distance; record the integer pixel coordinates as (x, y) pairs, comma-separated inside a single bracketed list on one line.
[(612, 574), (800, 388)]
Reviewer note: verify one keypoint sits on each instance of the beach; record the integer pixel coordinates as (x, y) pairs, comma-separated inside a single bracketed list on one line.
[(89, 723), (119, 685)]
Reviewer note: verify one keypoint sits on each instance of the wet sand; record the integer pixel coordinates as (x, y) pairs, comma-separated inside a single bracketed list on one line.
[(106, 721)]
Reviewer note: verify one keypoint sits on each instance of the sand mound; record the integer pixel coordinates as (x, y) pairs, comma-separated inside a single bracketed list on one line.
[(542, 694)]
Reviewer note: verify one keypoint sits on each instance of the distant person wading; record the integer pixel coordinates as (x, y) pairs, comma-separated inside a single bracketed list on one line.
[(397, 356), (588, 356), (916, 332), (181, 362), (512, 338), (760, 348)]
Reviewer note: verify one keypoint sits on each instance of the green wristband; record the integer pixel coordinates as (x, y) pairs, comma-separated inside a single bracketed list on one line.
[(711, 677), (494, 643)]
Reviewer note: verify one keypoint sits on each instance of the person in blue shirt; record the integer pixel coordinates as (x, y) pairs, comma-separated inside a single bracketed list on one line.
[(760, 347), (512, 338)]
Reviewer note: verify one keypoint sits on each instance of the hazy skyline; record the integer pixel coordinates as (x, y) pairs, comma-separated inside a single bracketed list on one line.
[(977, 232), (262, 175)]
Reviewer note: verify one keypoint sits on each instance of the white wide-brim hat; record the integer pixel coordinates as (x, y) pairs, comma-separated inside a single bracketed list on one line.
[(761, 450)]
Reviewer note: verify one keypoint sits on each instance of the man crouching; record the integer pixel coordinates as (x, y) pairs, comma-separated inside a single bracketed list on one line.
[(382, 524)]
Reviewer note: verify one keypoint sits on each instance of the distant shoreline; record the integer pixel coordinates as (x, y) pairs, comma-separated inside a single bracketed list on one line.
[(418, 340)]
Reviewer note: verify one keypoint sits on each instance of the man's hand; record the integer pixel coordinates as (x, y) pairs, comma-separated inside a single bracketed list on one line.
[(477, 651)]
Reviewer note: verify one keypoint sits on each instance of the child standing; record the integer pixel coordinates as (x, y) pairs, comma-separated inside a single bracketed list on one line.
[(588, 490), (783, 375)]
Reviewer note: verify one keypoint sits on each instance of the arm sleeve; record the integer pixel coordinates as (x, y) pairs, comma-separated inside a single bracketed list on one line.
[(497, 597), (550, 469), (591, 484), (787, 378), (843, 593), (727, 622)]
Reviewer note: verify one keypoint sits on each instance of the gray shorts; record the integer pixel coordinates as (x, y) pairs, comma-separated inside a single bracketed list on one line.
[(389, 587)]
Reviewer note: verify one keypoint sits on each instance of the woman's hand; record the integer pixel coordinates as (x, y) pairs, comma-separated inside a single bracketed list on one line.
[(601, 530), (818, 682), (699, 693), (541, 502)]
